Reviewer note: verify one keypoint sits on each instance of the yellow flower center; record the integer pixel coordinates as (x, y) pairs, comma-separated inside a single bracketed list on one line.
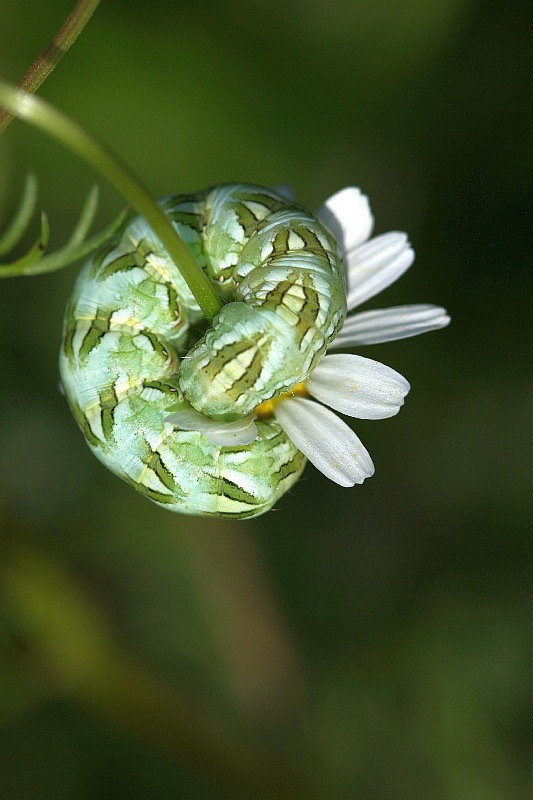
[(266, 410)]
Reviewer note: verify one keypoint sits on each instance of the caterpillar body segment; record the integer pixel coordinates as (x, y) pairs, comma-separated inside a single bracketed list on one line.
[(288, 272), (135, 345)]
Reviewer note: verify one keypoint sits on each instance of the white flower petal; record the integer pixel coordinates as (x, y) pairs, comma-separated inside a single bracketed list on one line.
[(347, 215), (325, 439), (375, 265), (388, 324), (358, 387), (229, 434)]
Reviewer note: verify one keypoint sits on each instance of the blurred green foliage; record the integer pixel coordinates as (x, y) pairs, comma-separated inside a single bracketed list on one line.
[(365, 643)]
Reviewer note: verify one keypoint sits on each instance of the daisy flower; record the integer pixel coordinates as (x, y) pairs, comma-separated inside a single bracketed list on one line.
[(350, 384)]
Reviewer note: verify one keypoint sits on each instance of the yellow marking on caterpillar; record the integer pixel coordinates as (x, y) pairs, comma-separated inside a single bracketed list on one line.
[(266, 410)]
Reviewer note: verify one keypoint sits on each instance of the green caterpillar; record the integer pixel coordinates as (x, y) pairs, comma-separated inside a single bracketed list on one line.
[(135, 346)]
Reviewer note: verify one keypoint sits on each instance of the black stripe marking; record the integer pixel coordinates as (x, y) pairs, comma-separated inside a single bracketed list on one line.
[(123, 263), (235, 492), (153, 494), (108, 403), (99, 327), (83, 423), (158, 466)]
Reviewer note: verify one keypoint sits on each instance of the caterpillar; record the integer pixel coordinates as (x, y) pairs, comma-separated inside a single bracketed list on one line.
[(136, 346)]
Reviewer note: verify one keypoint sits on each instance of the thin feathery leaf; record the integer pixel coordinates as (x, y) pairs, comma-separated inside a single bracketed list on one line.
[(34, 254), (22, 217), (66, 256), (85, 220), (35, 262)]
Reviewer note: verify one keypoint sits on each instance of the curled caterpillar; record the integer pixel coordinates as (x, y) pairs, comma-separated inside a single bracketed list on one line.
[(135, 346)]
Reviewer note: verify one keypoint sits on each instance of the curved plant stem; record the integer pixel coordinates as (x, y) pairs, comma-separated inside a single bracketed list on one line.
[(54, 51), (47, 118)]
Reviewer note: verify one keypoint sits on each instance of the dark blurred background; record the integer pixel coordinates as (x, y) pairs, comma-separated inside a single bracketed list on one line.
[(365, 643)]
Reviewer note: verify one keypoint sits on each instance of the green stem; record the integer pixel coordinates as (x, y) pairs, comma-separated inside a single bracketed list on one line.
[(47, 118), (54, 51)]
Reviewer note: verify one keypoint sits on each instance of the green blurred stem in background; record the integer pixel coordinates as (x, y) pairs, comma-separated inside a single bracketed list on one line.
[(47, 118), (74, 645), (53, 52), (19, 103)]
